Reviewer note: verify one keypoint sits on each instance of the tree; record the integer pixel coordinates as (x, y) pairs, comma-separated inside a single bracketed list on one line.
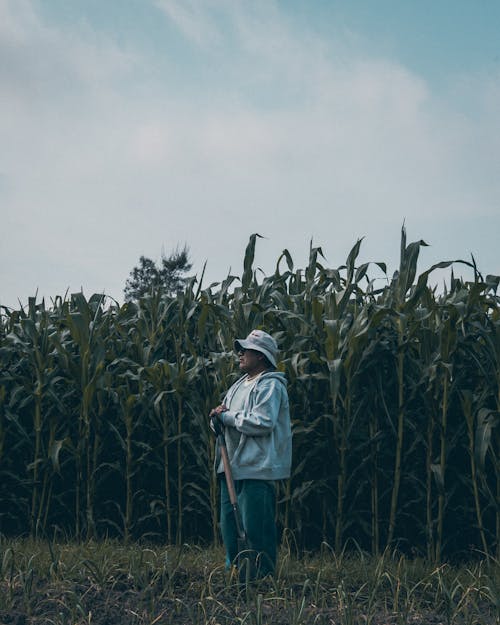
[(148, 277)]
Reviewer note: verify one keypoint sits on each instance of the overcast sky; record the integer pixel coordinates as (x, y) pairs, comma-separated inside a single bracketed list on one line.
[(130, 127)]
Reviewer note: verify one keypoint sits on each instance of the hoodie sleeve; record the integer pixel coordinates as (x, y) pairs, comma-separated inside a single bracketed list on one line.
[(261, 418)]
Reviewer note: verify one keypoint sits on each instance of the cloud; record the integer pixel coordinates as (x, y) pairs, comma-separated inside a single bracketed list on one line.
[(370, 127), (293, 136), (193, 19), (46, 68)]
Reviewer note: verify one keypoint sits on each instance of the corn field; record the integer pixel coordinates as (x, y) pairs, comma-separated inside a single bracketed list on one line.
[(394, 395)]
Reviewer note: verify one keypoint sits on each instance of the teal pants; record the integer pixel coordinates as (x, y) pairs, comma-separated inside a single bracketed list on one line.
[(257, 503)]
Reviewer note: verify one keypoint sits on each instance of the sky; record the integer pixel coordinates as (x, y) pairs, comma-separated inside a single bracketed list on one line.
[(135, 127)]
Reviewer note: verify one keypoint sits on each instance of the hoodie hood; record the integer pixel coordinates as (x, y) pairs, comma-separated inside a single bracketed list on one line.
[(274, 375)]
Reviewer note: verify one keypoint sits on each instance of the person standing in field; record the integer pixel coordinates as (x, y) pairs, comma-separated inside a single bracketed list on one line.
[(256, 418)]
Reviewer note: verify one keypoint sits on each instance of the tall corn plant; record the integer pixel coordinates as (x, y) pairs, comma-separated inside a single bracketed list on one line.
[(80, 347), (388, 388), (139, 331), (487, 444), (172, 377), (33, 375), (401, 306), (481, 408)]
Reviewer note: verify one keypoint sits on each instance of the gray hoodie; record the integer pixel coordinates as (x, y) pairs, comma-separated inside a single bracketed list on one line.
[(264, 451)]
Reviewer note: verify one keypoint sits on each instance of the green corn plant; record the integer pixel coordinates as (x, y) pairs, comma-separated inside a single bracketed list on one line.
[(428, 348), (4, 359), (403, 299), (472, 430), (183, 373), (447, 333), (3, 394), (128, 401), (402, 283), (159, 376), (81, 352), (30, 338), (489, 436), (376, 377)]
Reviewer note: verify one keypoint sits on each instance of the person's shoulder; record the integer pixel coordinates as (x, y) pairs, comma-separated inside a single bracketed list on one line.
[(273, 378)]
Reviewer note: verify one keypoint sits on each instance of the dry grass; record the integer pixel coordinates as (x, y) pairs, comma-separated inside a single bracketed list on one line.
[(107, 582)]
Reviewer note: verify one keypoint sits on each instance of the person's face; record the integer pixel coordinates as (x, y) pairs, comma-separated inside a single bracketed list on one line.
[(251, 361)]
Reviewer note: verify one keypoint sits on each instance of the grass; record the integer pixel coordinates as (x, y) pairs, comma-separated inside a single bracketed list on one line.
[(107, 583)]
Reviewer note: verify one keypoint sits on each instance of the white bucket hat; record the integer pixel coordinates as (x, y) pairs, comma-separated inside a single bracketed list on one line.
[(261, 342)]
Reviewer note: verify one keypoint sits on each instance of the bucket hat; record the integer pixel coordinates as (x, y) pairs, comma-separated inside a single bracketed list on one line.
[(260, 341)]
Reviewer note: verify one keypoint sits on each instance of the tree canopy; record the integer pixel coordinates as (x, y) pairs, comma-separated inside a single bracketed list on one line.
[(148, 277)]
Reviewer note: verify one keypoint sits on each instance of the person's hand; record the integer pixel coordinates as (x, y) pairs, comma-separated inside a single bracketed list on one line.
[(216, 419), (216, 412)]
